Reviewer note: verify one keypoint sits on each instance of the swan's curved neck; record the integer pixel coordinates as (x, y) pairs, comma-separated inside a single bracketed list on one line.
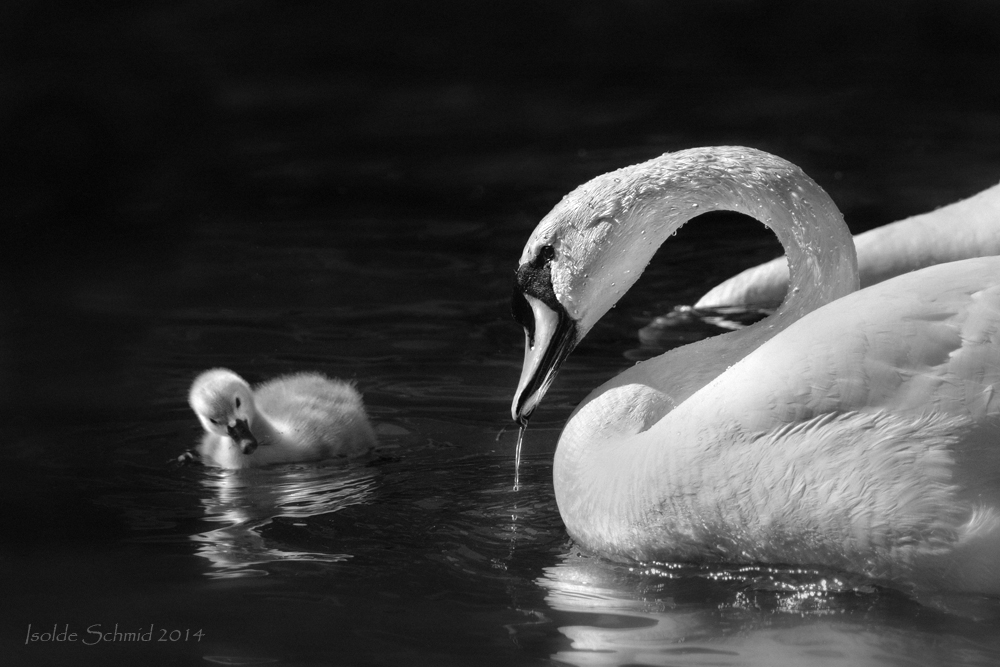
[(648, 203), (637, 208), (817, 243)]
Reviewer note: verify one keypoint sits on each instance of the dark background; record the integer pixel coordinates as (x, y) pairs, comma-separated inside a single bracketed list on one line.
[(125, 126)]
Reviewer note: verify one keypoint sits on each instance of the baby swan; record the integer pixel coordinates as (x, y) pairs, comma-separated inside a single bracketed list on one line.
[(299, 417)]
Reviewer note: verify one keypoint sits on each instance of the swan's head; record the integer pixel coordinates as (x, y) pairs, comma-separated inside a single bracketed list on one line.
[(223, 402), (583, 256), (592, 247)]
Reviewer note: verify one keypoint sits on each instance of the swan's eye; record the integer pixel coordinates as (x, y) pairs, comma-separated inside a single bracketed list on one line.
[(237, 401), (216, 422), (545, 254)]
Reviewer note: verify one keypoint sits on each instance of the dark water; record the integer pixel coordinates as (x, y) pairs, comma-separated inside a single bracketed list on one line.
[(278, 188)]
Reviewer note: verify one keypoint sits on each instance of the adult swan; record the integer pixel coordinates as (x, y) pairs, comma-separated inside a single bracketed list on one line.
[(858, 430)]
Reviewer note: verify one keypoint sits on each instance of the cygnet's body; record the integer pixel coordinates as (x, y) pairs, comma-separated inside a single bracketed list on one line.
[(300, 417)]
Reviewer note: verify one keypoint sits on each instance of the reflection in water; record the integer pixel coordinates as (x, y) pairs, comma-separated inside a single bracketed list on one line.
[(616, 615), (245, 501)]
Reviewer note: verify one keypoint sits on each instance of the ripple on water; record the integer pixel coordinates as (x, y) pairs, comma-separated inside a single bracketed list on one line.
[(246, 502), (673, 613)]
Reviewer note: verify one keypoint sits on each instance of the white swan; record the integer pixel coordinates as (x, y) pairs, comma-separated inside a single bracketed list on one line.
[(966, 228), (301, 417), (853, 429)]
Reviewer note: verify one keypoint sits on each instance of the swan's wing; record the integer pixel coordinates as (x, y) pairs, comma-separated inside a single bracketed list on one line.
[(866, 435), (968, 228), (925, 342)]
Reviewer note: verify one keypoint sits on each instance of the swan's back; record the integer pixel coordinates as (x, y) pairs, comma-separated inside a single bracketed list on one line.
[(924, 342)]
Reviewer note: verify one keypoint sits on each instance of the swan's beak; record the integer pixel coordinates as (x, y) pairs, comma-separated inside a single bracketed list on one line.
[(549, 337), (241, 435)]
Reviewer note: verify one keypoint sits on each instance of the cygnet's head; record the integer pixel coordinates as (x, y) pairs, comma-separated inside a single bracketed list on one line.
[(223, 402)]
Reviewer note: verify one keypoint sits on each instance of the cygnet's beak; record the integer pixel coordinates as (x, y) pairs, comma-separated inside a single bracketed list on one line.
[(242, 437)]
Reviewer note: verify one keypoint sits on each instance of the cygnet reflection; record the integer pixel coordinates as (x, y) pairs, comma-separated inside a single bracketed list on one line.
[(245, 501)]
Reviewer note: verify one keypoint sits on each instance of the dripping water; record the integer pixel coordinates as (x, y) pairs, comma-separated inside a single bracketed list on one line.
[(517, 457)]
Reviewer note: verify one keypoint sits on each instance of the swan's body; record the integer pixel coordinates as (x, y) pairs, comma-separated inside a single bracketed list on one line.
[(852, 429), (964, 229), (301, 417)]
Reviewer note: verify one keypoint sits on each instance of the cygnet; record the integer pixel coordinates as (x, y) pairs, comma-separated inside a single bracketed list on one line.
[(299, 417)]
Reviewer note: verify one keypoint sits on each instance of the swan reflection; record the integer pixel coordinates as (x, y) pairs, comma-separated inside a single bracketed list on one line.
[(617, 615), (245, 501)]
